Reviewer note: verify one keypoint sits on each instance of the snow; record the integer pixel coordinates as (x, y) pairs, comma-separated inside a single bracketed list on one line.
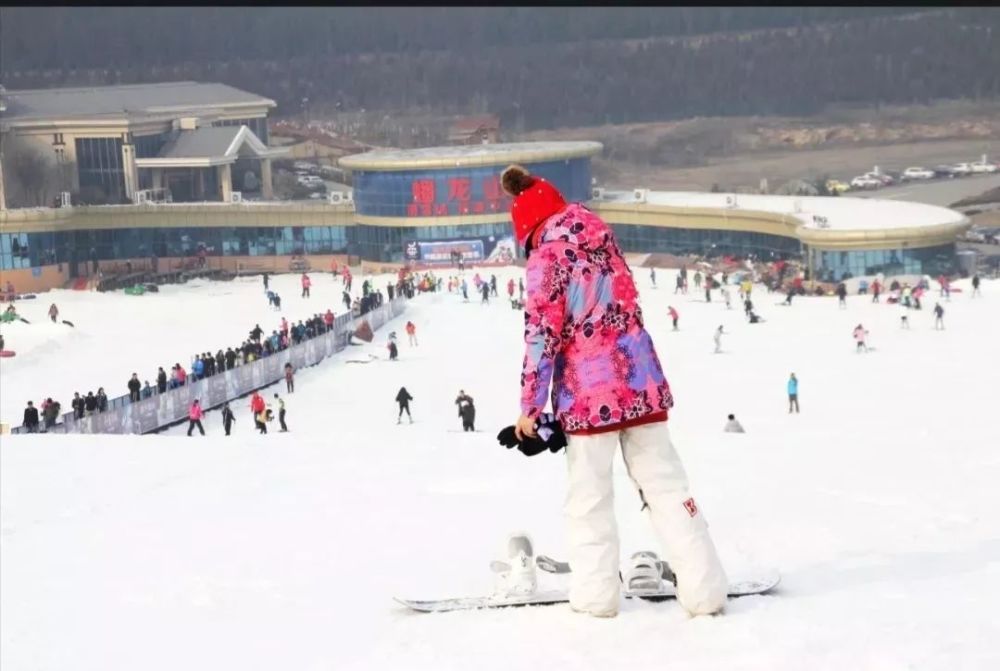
[(877, 503), (841, 213)]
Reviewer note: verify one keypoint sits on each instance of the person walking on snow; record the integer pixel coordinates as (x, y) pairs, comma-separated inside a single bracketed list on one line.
[(697, 279), (938, 317), (793, 393), (652, 276), (718, 339), (842, 295), (30, 421), (227, 417), (403, 398), (510, 288), (411, 333), (493, 286), (53, 313), (289, 378), (607, 389), (520, 289), (306, 283), (733, 425), (975, 286), (281, 413), (465, 290), (876, 290), (194, 418), (726, 296), (673, 315), (859, 338), (466, 410)]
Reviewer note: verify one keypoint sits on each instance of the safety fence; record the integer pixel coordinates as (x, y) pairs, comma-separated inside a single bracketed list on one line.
[(160, 410)]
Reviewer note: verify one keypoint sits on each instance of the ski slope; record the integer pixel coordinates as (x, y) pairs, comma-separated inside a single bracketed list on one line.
[(878, 503)]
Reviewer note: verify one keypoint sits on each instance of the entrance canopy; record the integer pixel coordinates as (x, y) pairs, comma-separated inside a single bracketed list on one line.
[(210, 146)]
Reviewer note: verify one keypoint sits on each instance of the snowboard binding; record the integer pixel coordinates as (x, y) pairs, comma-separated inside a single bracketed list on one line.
[(516, 575)]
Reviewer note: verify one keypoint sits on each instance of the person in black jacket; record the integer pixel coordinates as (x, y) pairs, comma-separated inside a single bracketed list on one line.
[(227, 418), (79, 405), (31, 418), (466, 410), (161, 380), (134, 387), (90, 403), (230, 359), (102, 400), (403, 398)]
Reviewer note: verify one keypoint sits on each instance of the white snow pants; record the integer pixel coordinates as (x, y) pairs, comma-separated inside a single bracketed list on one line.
[(656, 470)]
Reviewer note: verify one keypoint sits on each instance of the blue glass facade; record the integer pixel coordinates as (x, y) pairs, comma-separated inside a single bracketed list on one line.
[(457, 191), (705, 242), (836, 266)]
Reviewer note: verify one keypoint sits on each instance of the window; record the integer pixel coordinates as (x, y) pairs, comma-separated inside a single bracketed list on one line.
[(57, 139), (99, 162)]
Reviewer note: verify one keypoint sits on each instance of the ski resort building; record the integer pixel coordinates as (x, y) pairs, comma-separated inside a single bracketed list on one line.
[(423, 206)]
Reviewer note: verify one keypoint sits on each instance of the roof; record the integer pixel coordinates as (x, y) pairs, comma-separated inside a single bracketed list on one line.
[(127, 100), (469, 155), (209, 145), (473, 123)]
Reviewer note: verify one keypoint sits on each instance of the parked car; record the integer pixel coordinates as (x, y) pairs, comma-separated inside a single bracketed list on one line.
[(962, 169), (866, 182), (980, 167), (947, 171), (836, 186), (311, 181), (917, 172), (883, 178)]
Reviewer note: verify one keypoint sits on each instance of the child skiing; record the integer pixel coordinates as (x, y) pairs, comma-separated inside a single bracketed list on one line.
[(403, 398), (608, 387), (859, 337)]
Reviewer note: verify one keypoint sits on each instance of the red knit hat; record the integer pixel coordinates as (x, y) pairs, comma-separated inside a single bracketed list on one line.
[(535, 200)]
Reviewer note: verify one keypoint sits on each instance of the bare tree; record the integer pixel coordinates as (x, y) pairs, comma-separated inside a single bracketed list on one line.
[(29, 174)]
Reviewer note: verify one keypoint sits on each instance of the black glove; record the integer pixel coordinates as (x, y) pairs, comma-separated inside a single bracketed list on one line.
[(548, 436)]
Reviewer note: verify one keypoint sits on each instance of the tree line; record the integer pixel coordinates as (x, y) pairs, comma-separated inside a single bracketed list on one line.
[(561, 68)]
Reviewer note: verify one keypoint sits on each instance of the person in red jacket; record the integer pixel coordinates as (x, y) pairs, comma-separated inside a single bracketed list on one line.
[(257, 406), (585, 337), (411, 332), (510, 288), (673, 315), (194, 417), (328, 319), (306, 283)]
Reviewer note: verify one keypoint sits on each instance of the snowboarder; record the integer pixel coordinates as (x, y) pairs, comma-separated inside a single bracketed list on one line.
[(859, 338), (938, 317), (281, 413), (733, 426), (673, 315), (466, 411), (227, 418), (53, 313), (562, 302), (194, 418), (403, 398), (975, 286), (411, 333), (30, 422), (134, 388), (718, 339), (793, 393)]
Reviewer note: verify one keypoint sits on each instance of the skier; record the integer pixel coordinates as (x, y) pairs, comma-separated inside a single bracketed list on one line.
[(975, 286), (227, 417), (411, 333), (306, 283), (673, 315), (793, 393), (629, 404), (134, 388), (466, 410), (841, 295), (194, 418), (281, 413), (859, 337), (938, 317), (403, 398), (53, 313), (393, 350), (718, 339), (733, 426), (30, 422)]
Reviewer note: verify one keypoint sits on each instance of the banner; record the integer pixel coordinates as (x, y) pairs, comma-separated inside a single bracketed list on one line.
[(440, 252)]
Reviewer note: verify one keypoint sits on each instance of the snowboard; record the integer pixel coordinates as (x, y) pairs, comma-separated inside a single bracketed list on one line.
[(739, 588)]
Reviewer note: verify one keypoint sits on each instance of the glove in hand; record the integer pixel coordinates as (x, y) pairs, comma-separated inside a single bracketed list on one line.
[(549, 436)]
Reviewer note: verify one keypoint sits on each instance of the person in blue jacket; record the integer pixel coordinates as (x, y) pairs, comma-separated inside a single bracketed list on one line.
[(197, 369), (793, 393)]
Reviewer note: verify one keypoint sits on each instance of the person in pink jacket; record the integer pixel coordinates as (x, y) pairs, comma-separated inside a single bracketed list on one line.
[(306, 283), (195, 414), (585, 336)]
